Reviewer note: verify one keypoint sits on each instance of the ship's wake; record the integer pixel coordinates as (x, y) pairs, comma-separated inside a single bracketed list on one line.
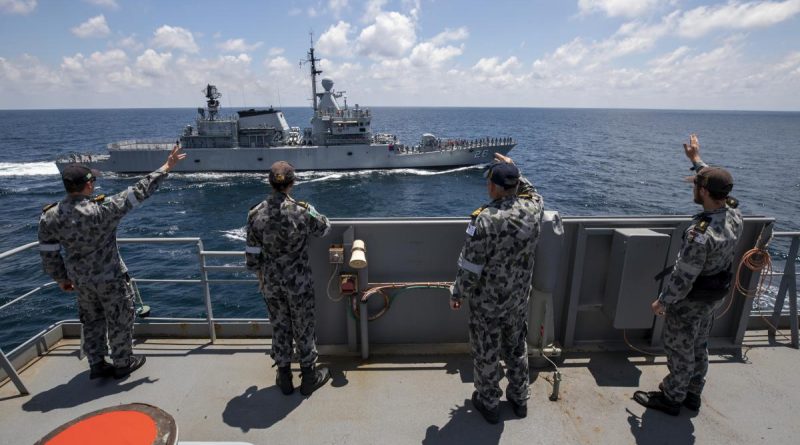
[(28, 169), (321, 175), (235, 234)]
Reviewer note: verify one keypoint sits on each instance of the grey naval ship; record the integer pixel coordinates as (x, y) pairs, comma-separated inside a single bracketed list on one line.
[(340, 138)]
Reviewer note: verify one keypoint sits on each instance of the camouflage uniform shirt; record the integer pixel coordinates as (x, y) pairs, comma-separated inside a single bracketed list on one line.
[(496, 262), (278, 229), (708, 248), (86, 229)]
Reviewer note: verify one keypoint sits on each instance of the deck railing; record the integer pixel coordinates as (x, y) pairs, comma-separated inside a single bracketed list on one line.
[(204, 281), (787, 286)]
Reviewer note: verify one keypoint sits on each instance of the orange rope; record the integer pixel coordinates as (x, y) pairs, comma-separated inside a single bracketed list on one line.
[(755, 260)]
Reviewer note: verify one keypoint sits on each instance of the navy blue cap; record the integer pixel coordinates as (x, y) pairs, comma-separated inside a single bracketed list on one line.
[(77, 174), (503, 174)]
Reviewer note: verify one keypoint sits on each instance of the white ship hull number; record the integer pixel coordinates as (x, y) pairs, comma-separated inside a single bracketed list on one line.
[(481, 154)]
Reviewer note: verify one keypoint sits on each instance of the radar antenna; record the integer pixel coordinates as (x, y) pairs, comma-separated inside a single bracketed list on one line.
[(213, 103), (314, 71)]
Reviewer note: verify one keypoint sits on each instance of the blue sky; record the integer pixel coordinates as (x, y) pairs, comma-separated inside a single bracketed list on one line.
[(719, 54)]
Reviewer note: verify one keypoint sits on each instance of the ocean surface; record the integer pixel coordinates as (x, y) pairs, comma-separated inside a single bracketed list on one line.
[(584, 162)]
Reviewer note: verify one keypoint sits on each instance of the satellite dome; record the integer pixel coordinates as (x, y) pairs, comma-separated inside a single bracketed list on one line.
[(327, 84)]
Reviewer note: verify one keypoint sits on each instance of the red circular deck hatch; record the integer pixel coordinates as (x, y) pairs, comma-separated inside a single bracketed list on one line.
[(132, 424)]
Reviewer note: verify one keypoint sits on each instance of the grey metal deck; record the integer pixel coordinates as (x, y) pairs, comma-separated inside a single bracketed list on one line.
[(225, 391)]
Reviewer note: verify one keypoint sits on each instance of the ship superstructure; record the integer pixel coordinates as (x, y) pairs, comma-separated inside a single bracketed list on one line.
[(339, 138)]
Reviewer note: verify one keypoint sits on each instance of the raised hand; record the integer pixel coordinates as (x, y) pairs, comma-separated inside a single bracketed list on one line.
[(174, 157), (692, 149), (501, 158)]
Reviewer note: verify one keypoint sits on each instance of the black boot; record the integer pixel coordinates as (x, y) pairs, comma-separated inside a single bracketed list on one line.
[(521, 410), (135, 363), (692, 401), (312, 379), (284, 380), (657, 400), (100, 370), (491, 415)]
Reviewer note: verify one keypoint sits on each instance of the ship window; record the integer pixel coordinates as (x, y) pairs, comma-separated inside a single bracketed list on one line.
[(363, 130), (196, 160), (260, 159), (349, 153)]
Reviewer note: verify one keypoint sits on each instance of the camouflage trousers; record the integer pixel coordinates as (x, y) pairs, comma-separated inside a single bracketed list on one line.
[(686, 328), (107, 313), (492, 337), (291, 313)]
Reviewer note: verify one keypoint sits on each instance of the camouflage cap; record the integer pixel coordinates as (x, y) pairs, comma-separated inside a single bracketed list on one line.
[(715, 179), (77, 174), (281, 173), (504, 174)]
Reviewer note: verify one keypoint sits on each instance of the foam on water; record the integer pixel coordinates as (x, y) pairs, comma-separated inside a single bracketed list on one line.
[(235, 234), (321, 176), (28, 169)]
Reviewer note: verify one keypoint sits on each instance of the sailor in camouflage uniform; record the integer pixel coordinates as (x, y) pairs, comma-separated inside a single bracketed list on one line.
[(278, 230), (495, 271), (699, 280), (85, 228)]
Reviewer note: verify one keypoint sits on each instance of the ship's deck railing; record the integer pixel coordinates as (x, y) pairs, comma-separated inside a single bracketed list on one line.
[(203, 281), (346, 113), (143, 144), (787, 286), (455, 144)]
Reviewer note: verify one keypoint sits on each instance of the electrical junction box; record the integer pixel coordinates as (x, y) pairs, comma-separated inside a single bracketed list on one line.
[(348, 284), (637, 256), (336, 254)]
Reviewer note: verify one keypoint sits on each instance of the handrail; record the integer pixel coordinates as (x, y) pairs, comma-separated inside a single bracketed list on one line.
[(788, 286)]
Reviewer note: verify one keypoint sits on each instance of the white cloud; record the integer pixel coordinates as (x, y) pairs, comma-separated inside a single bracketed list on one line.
[(153, 63), (334, 41), (372, 9), (104, 3), (736, 15), (175, 37), (450, 35), (130, 43), (17, 6), (295, 11), (94, 27), (109, 59), (427, 54), (278, 64), (392, 35), (337, 6), (619, 8), (238, 46), (275, 51)]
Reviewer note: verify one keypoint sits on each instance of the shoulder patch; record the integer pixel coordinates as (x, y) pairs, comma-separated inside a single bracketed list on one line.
[(696, 237), (525, 196), (732, 202), (49, 206), (99, 198), (302, 204), (702, 225), (478, 211)]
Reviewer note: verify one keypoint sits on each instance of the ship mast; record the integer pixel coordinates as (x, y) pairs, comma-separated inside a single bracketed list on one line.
[(314, 72)]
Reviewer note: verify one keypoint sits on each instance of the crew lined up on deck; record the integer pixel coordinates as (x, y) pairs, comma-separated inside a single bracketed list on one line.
[(77, 239)]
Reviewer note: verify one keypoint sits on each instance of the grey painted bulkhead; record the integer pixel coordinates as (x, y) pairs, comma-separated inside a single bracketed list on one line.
[(426, 250)]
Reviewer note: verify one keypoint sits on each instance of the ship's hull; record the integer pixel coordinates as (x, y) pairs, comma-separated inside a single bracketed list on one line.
[(344, 157)]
